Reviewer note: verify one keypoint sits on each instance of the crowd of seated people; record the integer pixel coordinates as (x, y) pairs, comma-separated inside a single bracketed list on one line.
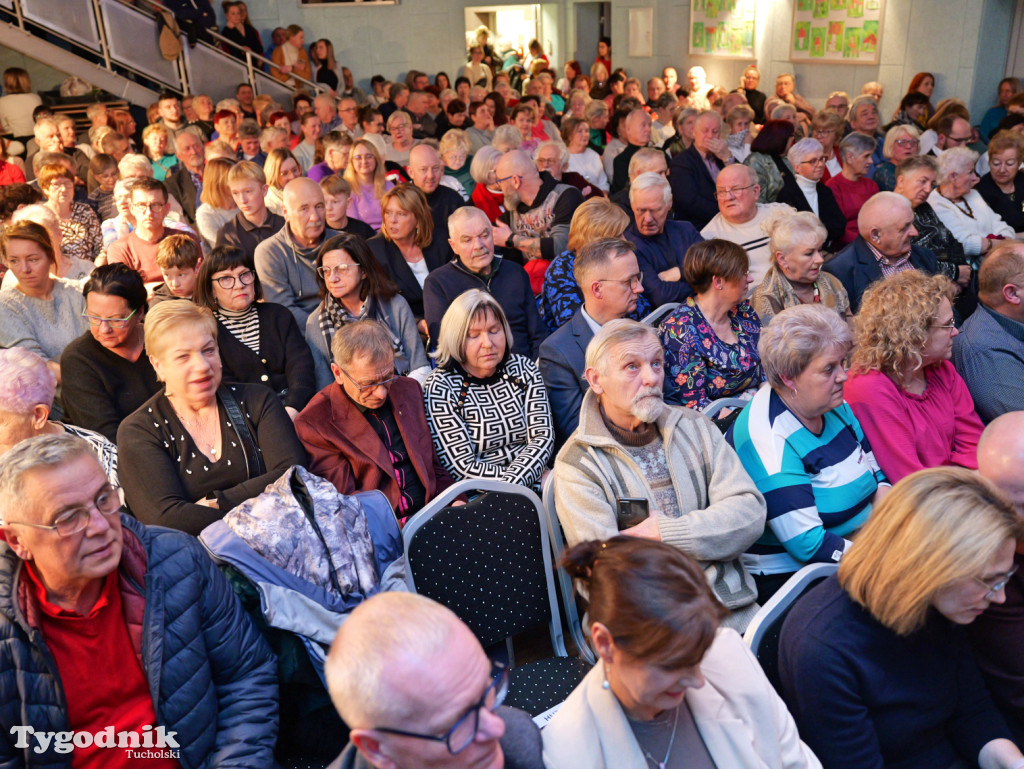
[(547, 284)]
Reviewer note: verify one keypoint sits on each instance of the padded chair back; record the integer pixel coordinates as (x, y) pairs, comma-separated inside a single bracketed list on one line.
[(655, 317), (488, 561), (762, 635)]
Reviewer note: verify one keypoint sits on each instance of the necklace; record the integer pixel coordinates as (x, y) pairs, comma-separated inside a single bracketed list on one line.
[(671, 742), (199, 430), (967, 205)]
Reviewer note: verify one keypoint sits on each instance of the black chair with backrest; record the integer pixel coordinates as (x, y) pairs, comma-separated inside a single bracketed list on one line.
[(762, 635), (490, 562)]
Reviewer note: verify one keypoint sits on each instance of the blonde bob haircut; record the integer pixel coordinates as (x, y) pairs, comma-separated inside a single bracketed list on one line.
[(173, 320), (894, 321), (596, 219), (798, 335), (467, 307), (272, 166), (898, 132), (410, 198), (936, 526)]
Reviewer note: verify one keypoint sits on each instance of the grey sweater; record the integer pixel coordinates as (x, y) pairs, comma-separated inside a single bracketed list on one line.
[(43, 326), (287, 272)]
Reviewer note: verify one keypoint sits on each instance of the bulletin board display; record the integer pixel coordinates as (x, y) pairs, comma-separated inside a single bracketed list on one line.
[(837, 31), (723, 28)]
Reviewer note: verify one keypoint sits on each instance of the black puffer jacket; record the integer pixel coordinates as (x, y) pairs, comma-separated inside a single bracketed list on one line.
[(211, 674)]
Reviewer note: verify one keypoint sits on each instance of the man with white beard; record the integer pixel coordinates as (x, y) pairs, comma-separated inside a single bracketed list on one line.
[(640, 467)]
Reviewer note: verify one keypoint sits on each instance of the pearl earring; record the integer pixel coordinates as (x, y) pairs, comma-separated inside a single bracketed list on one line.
[(604, 684)]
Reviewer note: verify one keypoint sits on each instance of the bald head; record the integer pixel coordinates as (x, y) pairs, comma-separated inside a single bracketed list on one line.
[(304, 211), (638, 128), (515, 163), (425, 167), (1001, 456)]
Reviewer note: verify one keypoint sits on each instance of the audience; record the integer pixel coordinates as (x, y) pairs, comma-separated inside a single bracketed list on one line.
[(185, 182), (354, 286), (629, 467), (367, 429), (961, 208), (171, 621), (1002, 187), (259, 342), (804, 190), (365, 175), (81, 237), (795, 277), (853, 187), (218, 207), (654, 622), (875, 662), (914, 406), (804, 449), (279, 169), (195, 456), (106, 372), (711, 339), (476, 267), (486, 404), (254, 222), (768, 158)]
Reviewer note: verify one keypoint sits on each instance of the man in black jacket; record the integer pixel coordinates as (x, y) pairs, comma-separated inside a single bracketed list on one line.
[(426, 169), (693, 172), (185, 183)]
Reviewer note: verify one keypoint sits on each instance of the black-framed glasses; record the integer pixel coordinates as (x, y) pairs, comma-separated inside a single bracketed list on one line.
[(228, 281), (95, 320), (373, 385), (339, 270), (732, 192), (462, 734), (633, 281), (995, 587), (109, 501)]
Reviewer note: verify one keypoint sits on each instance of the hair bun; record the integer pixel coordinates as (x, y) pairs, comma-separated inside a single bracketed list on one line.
[(579, 560)]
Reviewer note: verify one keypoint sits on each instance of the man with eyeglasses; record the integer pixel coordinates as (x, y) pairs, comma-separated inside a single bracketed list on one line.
[(415, 687), (951, 131), (694, 171), (660, 243), (740, 217), (368, 429), (138, 248), (348, 114), (609, 277), (998, 635), (118, 627)]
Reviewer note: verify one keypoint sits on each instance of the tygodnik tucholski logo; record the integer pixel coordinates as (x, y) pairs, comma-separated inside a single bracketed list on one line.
[(151, 742)]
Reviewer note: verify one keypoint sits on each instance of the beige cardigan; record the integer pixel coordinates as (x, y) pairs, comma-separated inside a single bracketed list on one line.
[(743, 722)]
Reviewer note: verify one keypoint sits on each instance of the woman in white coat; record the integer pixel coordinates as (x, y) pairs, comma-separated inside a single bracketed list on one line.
[(671, 689)]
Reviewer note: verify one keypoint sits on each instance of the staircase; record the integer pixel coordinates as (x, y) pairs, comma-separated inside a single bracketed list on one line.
[(113, 45)]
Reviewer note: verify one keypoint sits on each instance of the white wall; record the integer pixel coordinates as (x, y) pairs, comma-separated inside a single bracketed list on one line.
[(963, 42)]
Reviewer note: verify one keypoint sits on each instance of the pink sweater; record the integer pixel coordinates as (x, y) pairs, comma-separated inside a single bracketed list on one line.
[(851, 196), (910, 432)]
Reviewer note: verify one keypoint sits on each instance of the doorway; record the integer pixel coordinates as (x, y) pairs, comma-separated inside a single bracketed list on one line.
[(593, 21), (512, 26)]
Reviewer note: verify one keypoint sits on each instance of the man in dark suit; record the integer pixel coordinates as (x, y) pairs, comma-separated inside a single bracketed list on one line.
[(609, 277), (185, 183), (883, 248), (807, 157), (692, 173)]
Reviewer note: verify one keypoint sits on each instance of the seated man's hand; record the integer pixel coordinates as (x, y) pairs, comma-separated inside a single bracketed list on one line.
[(501, 233), (646, 529), (671, 275)]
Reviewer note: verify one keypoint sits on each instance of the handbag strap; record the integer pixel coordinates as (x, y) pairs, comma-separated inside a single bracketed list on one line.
[(253, 457)]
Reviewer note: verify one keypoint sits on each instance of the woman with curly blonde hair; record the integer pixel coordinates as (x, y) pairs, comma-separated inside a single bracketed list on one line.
[(911, 402)]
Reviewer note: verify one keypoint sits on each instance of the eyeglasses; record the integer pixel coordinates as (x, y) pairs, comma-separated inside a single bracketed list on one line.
[(329, 272), (814, 161), (500, 179), (385, 383), (633, 281), (957, 139), (462, 734), (948, 326), (95, 320), (732, 192), (995, 587), (823, 131), (907, 142), (154, 207), (70, 522), (228, 281)]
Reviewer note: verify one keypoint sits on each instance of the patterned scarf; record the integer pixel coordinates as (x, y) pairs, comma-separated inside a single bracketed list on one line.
[(333, 316)]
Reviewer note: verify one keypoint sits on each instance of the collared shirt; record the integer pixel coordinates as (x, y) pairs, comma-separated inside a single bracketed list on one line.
[(594, 325), (889, 265), (243, 234), (712, 165), (197, 179), (989, 355)]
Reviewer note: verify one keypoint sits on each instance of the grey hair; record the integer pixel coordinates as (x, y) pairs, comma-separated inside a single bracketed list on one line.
[(484, 161), (803, 148), (798, 335), (642, 160), (650, 181), (855, 142), (563, 151), (139, 164), (594, 108), (123, 187), (788, 230), (462, 214), (507, 136), (612, 334), (861, 101), (451, 339), (682, 115), (955, 160), (36, 453), (365, 338)]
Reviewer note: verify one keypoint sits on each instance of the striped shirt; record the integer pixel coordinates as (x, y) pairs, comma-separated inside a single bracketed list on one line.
[(244, 326), (749, 236), (818, 488)]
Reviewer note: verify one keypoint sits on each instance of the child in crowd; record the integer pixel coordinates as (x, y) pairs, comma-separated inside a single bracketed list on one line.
[(178, 257), (336, 194), (254, 222)]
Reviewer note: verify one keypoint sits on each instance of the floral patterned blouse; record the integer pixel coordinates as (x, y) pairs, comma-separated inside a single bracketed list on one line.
[(81, 233), (700, 367)]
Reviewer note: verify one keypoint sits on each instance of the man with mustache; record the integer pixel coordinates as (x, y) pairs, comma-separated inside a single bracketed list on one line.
[(640, 467)]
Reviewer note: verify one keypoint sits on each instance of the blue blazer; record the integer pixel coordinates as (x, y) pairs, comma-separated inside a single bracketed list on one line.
[(857, 268), (562, 361), (693, 189)]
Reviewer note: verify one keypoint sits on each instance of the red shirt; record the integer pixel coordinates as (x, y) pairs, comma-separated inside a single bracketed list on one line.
[(103, 682)]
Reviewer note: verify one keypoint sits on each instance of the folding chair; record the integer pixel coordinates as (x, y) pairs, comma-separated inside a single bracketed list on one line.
[(762, 635), (655, 317), (565, 584), (490, 562)]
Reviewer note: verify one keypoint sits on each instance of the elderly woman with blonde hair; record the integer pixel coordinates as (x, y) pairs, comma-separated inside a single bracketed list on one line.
[(901, 142), (795, 276), (914, 406), (486, 406), (962, 208), (198, 447), (27, 390), (458, 162), (487, 195), (804, 448), (875, 662)]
